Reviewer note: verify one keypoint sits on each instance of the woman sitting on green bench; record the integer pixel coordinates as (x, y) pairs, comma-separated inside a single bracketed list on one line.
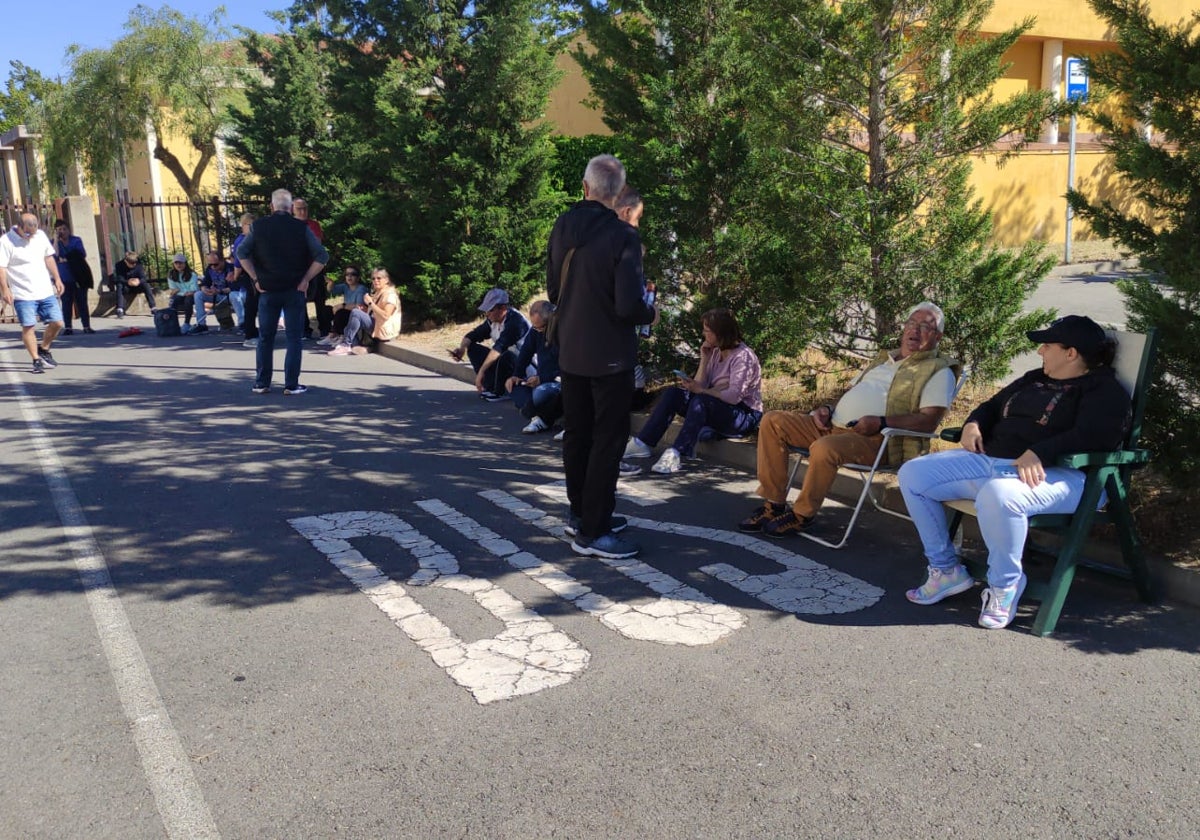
[(1073, 403)]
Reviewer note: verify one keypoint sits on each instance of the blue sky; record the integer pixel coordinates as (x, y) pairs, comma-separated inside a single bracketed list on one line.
[(41, 40)]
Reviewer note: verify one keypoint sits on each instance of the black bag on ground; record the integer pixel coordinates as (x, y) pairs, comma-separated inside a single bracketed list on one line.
[(166, 322), (224, 312)]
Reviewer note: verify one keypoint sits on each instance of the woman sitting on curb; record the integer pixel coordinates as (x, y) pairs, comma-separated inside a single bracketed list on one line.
[(183, 283), (353, 294), (381, 320), (725, 395)]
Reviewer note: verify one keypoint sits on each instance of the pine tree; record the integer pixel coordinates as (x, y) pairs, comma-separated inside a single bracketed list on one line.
[(872, 110), (448, 102), (1153, 80)]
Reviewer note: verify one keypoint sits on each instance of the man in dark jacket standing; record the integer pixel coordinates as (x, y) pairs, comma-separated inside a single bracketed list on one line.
[(282, 256), (600, 299)]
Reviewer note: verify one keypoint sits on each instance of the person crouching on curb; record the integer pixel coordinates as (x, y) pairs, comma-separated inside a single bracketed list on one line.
[(538, 395), (506, 327)]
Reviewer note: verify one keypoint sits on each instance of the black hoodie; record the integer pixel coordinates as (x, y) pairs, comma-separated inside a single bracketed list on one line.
[(604, 295)]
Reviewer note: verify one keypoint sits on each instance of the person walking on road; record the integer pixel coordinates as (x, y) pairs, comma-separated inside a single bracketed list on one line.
[(594, 278), (282, 256), (29, 282)]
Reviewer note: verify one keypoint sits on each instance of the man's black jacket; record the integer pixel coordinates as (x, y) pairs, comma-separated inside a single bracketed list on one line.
[(603, 299)]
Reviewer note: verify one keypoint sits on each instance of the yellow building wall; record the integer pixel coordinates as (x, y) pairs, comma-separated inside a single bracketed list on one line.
[(1060, 18), (567, 110), (1026, 195)]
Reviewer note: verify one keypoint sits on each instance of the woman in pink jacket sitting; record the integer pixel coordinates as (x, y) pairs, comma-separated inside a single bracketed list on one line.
[(725, 395)]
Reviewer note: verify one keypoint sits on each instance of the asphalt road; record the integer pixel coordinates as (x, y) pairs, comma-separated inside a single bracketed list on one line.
[(349, 614)]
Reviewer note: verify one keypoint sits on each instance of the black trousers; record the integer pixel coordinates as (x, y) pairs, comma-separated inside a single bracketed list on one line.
[(251, 312), (596, 421), (318, 295), (498, 373), (75, 300), (126, 293)]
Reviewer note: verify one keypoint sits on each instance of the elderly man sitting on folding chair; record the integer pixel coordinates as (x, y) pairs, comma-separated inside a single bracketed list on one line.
[(909, 387)]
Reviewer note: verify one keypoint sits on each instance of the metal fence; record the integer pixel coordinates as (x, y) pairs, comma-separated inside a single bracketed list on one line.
[(157, 230), (47, 213)]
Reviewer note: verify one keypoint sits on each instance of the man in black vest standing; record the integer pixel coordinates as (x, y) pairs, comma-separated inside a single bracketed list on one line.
[(601, 299), (282, 256)]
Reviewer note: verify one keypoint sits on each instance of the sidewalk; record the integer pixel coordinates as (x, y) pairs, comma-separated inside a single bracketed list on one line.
[(1182, 585)]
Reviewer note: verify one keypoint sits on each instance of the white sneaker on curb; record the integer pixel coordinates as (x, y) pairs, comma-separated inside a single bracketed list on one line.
[(329, 341), (668, 463), (537, 424), (636, 449), (558, 437)]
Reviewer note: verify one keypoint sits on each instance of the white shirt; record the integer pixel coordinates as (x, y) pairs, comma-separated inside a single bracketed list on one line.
[(869, 394), (25, 261)]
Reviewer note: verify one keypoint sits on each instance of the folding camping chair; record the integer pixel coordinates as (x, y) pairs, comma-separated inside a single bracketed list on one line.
[(868, 473)]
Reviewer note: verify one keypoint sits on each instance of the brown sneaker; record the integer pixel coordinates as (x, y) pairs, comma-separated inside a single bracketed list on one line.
[(787, 524), (761, 516)]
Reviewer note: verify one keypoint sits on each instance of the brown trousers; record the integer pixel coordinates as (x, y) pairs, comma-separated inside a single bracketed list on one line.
[(828, 450)]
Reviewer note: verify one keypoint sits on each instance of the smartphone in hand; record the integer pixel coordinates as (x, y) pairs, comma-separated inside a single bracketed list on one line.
[(682, 375)]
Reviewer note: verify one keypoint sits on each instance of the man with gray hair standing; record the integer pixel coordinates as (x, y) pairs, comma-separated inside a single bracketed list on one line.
[(281, 256), (594, 277)]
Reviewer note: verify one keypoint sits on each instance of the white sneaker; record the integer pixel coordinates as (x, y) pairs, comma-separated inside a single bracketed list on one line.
[(668, 463), (636, 449), (329, 341), (558, 437), (537, 424)]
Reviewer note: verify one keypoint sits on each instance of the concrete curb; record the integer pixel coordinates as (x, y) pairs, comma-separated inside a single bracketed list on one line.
[(1182, 585)]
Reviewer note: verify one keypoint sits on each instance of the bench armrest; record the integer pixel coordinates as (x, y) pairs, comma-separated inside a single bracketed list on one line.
[(891, 431), (1122, 457)]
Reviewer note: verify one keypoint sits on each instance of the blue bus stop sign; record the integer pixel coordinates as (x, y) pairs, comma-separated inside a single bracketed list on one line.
[(1077, 80)]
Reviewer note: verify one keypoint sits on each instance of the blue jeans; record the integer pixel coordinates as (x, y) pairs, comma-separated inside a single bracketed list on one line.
[(203, 301), (75, 301), (1003, 501), (270, 304), (355, 324), (237, 299), (698, 411), (544, 401), (48, 309)]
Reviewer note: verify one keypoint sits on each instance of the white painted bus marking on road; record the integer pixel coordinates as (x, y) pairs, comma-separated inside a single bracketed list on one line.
[(681, 616), (529, 655), (805, 587)]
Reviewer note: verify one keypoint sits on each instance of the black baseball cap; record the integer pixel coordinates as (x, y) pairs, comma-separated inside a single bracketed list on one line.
[(1078, 331)]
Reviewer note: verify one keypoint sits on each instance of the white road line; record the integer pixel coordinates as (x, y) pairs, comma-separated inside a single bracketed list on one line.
[(681, 616), (640, 493), (177, 795), (528, 656)]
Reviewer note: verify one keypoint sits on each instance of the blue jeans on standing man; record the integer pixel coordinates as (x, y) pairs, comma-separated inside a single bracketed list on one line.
[(270, 304)]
